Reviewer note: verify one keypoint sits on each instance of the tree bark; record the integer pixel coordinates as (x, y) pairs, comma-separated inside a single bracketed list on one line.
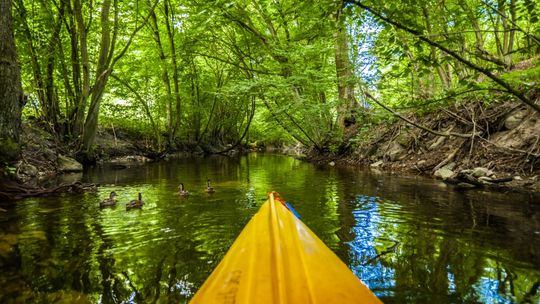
[(82, 60), (164, 75), (36, 69), (102, 76), (106, 63), (345, 77), (11, 96), (441, 71), (509, 34), (169, 15)]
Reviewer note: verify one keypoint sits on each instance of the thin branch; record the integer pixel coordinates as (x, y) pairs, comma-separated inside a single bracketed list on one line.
[(529, 153), (414, 123), (265, 72), (389, 250), (143, 103), (280, 122), (135, 31), (451, 95), (214, 101)]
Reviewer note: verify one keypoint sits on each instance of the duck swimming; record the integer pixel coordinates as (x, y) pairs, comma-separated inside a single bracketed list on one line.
[(182, 191), (209, 188), (138, 203), (111, 201)]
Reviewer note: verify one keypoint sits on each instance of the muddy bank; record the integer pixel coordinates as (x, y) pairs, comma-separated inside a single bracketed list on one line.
[(48, 163), (475, 145)]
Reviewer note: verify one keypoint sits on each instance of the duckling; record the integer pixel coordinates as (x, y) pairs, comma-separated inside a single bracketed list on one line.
[(182, 191), (138, 203), (209, 188), (111, 201)]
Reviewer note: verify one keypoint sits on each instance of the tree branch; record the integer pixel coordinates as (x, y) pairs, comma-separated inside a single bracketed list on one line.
[(452, 53), (368, 95)]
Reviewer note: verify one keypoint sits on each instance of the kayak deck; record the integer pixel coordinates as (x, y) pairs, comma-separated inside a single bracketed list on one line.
[(278, 259)]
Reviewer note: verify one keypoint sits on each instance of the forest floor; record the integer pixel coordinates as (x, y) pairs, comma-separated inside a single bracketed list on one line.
[(494, 146)]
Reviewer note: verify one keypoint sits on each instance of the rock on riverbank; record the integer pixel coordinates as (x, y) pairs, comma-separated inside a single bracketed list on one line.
[(491, 146)]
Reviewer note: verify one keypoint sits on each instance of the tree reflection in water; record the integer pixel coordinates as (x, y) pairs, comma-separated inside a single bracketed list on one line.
[(408, 239), (403, 257)]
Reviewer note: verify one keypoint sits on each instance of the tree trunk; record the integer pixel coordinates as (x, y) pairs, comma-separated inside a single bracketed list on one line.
[(36, 68), (479, 39), (508, 27), (53, 107), (345, 77), (102, 76), (509, 47), (164, 76), (10, 87), (443, 75), (195, 99), (84, 61), (178, 102)]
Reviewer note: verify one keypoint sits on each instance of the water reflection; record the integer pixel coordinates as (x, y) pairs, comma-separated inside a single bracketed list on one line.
[(408, 239), (439, 254)]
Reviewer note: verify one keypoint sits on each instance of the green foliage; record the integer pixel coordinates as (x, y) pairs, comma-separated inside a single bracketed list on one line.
[(415, 75), (529, 78), (206, 72), (266, 131)]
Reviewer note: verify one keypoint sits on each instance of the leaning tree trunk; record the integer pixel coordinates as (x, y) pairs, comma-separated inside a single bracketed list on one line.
[(10, 87)]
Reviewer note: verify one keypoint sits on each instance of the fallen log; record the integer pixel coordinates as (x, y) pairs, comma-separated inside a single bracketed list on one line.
[(501, 180)]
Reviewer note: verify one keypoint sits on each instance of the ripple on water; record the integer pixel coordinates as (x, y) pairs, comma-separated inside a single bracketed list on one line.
[(408, 239)]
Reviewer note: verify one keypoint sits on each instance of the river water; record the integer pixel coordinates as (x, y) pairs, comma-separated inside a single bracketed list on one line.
[(409, 239)]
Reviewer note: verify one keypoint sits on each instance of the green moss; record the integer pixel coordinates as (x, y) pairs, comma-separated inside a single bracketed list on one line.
[(530, 77), (9, 149)]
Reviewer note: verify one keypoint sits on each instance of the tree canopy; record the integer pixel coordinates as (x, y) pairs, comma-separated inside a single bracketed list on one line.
[(216, 74)]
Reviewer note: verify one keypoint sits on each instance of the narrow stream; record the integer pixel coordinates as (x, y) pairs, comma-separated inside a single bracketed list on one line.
[(409, 239)]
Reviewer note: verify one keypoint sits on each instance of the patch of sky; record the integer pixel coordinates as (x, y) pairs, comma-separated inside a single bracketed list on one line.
[(363, 249), (488, 289), (364, 35)]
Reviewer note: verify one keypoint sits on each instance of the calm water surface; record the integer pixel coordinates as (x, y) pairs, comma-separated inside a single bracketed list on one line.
[(409, 239)]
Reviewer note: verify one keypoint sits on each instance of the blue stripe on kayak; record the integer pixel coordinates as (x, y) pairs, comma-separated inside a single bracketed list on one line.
[(290, 207)]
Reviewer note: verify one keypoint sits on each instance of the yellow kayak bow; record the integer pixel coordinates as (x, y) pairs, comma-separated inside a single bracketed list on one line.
[(278, 259)]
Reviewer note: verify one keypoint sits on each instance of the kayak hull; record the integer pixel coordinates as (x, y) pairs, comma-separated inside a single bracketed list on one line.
[(278, 259)]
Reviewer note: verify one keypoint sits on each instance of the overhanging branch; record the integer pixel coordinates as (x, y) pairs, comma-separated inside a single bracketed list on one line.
[(448, 51)]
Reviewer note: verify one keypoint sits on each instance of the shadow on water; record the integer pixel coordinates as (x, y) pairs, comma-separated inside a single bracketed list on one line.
[(409, 239)]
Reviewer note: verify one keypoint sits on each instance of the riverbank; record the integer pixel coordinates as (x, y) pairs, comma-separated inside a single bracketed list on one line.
[(44, 157), (48, 165), (473, 145)]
